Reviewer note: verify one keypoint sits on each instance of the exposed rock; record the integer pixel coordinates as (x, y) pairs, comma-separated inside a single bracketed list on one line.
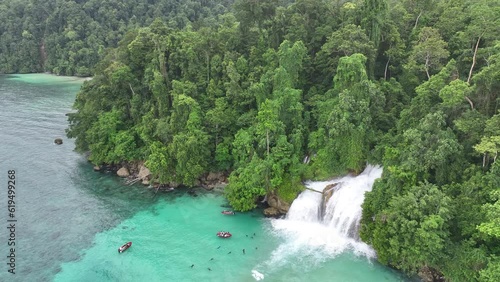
[(131, 180), (327, 194), (123, 172), (144, 173), (145, 182), (58, 141), (328, 191), (217, 187), (215, 177), (97, 168), (272, 212), (275, 202), (429, 274), (272, 201)]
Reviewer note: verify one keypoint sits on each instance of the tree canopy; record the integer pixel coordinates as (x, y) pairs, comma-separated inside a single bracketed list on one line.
[(276, 92)]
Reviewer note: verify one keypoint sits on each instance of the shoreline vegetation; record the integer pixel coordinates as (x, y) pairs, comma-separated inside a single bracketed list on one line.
[(271, 93)]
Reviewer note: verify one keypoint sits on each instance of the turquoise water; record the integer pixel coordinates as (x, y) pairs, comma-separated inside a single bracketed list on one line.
[(71, 220), (172, 236)]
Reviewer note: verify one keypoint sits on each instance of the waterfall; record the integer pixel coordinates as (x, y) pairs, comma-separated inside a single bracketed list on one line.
[(317, 228), (343, 210), (319, 234)]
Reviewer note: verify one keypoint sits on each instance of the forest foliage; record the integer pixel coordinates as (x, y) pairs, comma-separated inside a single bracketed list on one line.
[(69, 37), (274, 93)]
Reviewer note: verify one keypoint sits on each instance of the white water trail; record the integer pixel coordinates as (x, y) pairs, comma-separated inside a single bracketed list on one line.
[(310, 236), (257, 275)]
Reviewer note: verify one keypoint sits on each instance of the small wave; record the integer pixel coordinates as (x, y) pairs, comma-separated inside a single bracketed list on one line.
[(257, 275)]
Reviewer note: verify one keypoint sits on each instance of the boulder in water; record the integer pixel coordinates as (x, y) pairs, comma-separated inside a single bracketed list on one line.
[(144, 174), (123, 172), (328, 191), (327, 194), (275, 202), (58, 141), (272, 212)]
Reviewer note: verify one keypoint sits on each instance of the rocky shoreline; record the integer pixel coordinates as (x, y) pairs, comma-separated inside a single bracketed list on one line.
[(136, 172), (277, 208)]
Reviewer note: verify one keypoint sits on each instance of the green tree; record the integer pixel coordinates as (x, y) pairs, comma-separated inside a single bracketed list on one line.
[(347, 119), (455, 93), (487, 84), (346, 41), (102, 135), (221, 121), (492, 272), (159, 162), (427, 99), (412, 231), (430, 148), (483, 26), (490, 142), (394, 50), (189, 148), (246, 184), (373, 20), (491, 226), (428, 52)]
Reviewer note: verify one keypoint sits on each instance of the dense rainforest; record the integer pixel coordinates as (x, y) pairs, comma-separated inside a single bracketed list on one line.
[(69, 37), (276, 92)]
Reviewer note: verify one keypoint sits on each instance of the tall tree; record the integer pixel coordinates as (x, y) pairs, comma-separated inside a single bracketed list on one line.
[(347, 118), (429, 51), (373, 20), (348, 40), (484, 26)]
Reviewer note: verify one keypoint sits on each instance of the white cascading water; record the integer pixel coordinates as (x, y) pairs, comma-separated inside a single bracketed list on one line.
[(343, 210), (307, 231)]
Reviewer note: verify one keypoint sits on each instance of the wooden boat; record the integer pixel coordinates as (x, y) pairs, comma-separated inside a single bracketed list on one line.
[(227, 212), (124, 247), (224, 234)]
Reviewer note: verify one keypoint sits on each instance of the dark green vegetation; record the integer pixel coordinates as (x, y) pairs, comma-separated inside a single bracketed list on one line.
[(69, 37), (413, 85)]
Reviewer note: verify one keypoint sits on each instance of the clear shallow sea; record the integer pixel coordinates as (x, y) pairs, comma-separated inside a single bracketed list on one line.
[(71, 220)]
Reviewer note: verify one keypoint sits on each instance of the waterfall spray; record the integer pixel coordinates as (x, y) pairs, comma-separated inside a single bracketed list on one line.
[(319, 228), (307, 230)]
